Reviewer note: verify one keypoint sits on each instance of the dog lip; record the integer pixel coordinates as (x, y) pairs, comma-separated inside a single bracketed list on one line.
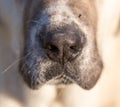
[(66, 79), (62, 79)]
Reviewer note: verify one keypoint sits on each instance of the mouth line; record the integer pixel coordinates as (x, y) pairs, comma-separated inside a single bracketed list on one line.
[(63, 76), (65, 79), (62, 79)]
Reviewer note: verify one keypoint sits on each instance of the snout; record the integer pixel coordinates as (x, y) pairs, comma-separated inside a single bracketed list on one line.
[(60, 46), (64, 44)]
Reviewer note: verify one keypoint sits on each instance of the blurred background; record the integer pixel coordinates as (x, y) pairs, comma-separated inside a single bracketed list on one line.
[(15, 93)]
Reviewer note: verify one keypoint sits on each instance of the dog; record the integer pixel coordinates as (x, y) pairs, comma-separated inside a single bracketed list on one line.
[(59, 42)]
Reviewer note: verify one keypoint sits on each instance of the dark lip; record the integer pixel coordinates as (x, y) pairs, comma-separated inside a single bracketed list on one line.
[(58, 72), (63, 74), (62, 79), (66, 79)]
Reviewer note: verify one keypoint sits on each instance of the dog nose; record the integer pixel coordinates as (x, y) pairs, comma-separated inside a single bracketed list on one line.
[(64, 45)]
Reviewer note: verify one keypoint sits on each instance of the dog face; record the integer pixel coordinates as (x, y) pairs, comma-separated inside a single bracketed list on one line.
[(60, 43)]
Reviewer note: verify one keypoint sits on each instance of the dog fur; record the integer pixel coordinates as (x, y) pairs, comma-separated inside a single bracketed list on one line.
[(105, 93)]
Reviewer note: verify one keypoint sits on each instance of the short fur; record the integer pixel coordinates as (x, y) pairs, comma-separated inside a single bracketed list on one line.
[(37, 68)]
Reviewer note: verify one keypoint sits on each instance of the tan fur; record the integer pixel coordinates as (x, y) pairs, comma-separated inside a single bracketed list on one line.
[(13, 92)]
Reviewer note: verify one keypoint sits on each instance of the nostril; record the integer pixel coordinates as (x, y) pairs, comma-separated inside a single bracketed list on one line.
[(52, 48), (74, 48)]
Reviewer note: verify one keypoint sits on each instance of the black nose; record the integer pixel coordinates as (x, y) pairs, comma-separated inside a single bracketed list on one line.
[(64, 44)]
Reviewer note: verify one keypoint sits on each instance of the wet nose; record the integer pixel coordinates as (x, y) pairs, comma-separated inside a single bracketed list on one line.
[(64, 45)]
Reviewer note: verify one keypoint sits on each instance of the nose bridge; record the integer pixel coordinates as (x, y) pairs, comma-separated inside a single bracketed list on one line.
[(60, 13), (56, 14)]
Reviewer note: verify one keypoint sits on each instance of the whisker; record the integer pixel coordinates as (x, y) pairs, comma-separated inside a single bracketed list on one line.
[(15, 62), (11, 65), (34, 21)]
